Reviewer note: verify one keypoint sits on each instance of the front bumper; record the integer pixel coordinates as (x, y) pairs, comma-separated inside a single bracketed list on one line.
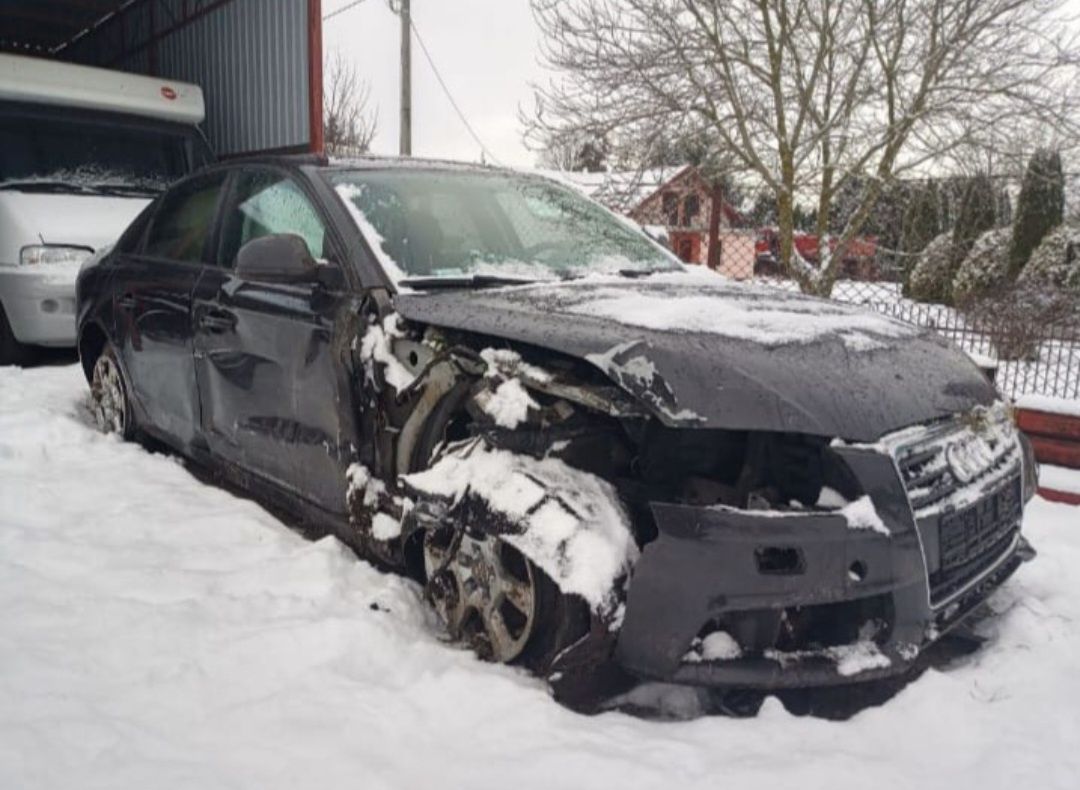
[(753, 575), (40, 303)]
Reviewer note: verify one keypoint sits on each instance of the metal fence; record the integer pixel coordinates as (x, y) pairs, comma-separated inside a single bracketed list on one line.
[(1030, 356), (1044, 358)]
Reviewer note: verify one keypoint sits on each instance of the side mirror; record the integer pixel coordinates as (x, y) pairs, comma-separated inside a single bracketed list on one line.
[(277, 258)]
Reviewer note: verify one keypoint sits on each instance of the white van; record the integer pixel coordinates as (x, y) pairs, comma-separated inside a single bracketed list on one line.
[(82, 152)]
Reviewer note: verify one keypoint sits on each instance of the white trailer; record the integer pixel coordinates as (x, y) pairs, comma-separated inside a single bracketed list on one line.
[(82, 151)]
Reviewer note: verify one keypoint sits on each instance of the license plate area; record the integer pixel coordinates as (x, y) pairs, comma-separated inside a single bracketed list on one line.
[(968, 534)]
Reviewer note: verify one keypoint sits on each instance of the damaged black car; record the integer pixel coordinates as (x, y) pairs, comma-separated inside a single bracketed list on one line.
[(598, 461)]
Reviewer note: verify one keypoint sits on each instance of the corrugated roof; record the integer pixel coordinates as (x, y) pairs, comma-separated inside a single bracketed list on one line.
[(43, 27)]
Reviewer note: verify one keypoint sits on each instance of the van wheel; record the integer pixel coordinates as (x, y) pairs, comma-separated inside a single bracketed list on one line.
[(12, 352), (109, 401)]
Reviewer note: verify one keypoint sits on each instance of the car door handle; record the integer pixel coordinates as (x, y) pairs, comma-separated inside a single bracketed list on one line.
[(217, 321)]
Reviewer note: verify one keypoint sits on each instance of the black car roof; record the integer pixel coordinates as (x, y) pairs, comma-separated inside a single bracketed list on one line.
[(374, 162), (369, 162)]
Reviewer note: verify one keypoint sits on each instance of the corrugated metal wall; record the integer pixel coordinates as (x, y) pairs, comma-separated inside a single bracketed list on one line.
[(249, 56)]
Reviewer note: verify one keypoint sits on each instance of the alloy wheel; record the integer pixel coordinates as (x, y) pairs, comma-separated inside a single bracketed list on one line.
[(483, 589), (107, 402)]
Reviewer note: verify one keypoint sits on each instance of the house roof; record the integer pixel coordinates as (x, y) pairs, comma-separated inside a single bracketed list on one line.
[(619, 190), (625, 191)]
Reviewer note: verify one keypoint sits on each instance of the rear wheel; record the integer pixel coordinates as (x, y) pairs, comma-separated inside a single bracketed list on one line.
[(109, 395)]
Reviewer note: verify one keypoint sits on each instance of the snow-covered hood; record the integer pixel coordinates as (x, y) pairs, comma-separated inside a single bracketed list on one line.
[(705, 351), (83, 220)]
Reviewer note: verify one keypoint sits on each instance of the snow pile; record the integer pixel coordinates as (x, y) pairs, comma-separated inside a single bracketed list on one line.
[(509, 403), (1059, 478), (982, 360), (376, 349), (508, 406), (568, 522), (744, 312), (831, 499), (717, 646), (363, 484), (986, 267), (850, 659), (1070, 407), (861, 514), (507, 363), (385, 527), (159, 632), (858, 657)]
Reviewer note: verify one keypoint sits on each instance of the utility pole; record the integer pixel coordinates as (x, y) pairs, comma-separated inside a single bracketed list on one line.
[(406, 80)]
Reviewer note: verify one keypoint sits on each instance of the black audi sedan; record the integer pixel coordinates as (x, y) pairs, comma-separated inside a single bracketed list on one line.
[(597, 461)]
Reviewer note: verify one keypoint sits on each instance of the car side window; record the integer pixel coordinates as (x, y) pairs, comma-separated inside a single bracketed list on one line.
[(266, 203), (184, 221)]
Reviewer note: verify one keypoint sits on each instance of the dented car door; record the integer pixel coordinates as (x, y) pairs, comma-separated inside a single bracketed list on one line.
[(152, 299), (265, 352)]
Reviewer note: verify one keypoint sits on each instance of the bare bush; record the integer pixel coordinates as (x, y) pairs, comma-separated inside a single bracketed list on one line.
[(349, 124)]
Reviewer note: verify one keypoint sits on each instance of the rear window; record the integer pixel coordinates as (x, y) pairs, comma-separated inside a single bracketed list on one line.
[(89, 155)]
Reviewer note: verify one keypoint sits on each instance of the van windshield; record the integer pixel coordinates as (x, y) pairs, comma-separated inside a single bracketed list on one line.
[(73, 155)]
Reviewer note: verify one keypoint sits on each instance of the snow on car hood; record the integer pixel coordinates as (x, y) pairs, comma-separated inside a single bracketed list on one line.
[(82, 220), (700, 350)]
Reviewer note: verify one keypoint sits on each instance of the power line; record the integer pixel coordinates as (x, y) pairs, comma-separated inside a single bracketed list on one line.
[(343, 9), (450, 96)]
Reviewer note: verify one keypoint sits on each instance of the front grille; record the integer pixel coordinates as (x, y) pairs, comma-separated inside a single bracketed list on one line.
[(973, 539), (968, 482), (932, 484)]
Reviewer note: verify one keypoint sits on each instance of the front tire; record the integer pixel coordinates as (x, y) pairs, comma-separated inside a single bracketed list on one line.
[(109, 402), (492, 598)]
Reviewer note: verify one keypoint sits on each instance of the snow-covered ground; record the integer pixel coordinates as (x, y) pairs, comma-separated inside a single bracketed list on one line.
[(158, 632)]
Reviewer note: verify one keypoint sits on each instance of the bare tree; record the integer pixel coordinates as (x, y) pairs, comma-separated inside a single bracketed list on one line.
[(349, 124), (806, 95), (576, 152)]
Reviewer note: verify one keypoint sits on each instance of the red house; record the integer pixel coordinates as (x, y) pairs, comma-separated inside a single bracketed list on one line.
[(700, 224)]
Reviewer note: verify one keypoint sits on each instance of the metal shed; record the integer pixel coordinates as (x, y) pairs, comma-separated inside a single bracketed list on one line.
[(259, 62)]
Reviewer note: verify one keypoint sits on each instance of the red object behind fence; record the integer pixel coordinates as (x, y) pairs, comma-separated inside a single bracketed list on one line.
[(1056, 439)]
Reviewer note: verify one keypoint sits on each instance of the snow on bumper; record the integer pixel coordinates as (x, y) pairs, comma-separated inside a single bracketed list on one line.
[(789, 587)]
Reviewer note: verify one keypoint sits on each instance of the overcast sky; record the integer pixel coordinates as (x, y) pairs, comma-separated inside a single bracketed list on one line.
[(486, 51)]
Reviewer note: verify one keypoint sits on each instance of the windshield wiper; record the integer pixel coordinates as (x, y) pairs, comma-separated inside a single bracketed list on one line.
[(125, 189), (464, 281), (637, 273), (53, 187)]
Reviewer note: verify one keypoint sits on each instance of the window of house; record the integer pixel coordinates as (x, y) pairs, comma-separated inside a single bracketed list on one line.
[(669, 203), (691, 209)]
